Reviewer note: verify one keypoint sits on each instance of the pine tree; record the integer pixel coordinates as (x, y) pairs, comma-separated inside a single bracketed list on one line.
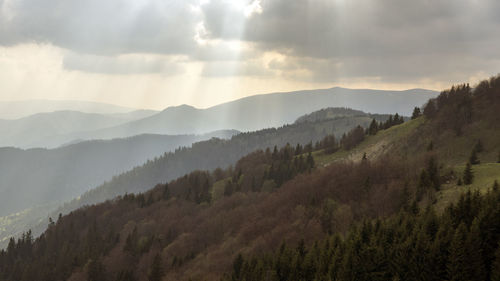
[(373, 129), (95, 270), (495, 268), (495, 186), (310, 161), (433, 172), (457, 262), (473, 159), (416, 113), (125, 276), (475, 267), (156, 271), (468, 174), (479, 146), (397, 119), (430, 109), (237, 266)]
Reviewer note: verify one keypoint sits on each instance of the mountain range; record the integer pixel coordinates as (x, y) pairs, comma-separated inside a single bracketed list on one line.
[(108, 155), (53, 129), (37, 176), (415, 200), (247, 114), (23, 108)]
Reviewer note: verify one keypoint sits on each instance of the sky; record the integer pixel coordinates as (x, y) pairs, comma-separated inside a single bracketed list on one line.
[(159, 53)]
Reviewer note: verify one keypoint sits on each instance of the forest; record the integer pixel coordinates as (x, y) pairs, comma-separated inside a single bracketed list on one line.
[(278, 215)]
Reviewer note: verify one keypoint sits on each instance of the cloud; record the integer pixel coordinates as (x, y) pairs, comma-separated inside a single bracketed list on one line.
[(124, 64), (229, 69), (320, 40), (101, 27), (386, 39)]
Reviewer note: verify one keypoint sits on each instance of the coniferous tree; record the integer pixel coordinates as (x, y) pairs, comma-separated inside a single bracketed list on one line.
[(468, 174), (125, 275), (373, 129), (479, 146), (310, 161), (416, 113), (237, 266), (495, 270), (475, 267), (473, 159), (433, 172), (457, 263), (430, 109), (156, 271), (95, 270)]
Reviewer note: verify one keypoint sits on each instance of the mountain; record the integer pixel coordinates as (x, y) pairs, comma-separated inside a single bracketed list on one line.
[(204, 155), (340, 112), (399, 211), (81, 121), (53, 129), (37, 177), (265, 111), (20, 109)]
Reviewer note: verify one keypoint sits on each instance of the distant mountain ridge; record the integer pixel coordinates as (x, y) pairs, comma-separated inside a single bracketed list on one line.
[(101, 121), (52, 129), (40, 176), (265, 111), (23, 108), (208, 154)]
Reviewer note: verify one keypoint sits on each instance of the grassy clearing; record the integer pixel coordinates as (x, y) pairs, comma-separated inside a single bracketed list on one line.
[(373, 146), (484, 176)]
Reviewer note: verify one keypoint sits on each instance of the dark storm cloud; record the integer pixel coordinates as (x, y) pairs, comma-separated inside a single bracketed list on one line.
[(341, 28), (395, 40)]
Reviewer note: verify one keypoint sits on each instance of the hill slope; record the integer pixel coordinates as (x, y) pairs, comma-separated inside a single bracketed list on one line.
[(266, 111), (53, 129), (40, 176), (20, 109), (189, 229)]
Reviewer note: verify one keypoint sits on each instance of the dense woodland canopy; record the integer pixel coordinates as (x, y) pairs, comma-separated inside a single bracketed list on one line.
[(278, 215), (415, 244)]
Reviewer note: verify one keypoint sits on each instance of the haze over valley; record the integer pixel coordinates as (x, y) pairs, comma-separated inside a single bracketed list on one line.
[(249, 140)]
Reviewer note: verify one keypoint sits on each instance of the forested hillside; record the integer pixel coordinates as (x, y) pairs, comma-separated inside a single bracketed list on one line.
[(214, 153), (205, 155), (37, 181), (36, 177), (418, 211)]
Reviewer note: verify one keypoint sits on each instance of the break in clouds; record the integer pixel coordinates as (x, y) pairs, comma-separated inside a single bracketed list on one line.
[(322, 40)]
